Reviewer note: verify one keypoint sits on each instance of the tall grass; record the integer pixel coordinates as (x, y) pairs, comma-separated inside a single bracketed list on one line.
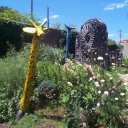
[(12, 75)]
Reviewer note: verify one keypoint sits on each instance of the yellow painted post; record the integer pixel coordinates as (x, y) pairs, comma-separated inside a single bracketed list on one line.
[(39, 33)]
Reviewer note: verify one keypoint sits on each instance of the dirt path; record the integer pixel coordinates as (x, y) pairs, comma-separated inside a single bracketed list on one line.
[(3, 125)]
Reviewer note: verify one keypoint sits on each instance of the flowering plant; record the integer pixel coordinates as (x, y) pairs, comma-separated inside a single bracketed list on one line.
[(101, 96)]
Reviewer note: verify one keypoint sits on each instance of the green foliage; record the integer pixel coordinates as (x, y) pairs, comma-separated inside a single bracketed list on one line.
[(36, 121), (10, 36), (11, 24), (112, 44), (49, 71), (103, 104), (12, 76), (125, 63), (72, 39), (13, 15), (47, 53), (57, 25), (46, 93), (107, 100), (12, 73)]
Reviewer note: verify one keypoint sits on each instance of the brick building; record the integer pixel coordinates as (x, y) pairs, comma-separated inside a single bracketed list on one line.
[(124, 43)]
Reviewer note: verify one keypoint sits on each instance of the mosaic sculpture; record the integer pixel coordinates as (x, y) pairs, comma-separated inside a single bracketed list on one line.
[(91, 44), (93, 34)]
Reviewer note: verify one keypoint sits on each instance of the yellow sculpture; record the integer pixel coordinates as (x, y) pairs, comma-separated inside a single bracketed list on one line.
[(38, 33)]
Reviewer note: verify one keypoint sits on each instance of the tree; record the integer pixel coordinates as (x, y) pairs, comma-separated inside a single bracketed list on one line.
[(10, 14), (57, 26), (112, 44)]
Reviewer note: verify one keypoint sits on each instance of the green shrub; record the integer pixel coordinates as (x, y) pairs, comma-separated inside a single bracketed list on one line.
[(47, 53), (47, 93), (103, 100), (12, 75)]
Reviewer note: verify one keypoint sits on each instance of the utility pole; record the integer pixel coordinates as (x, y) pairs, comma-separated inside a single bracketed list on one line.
[(32, 9), (47, 17), (68, 29), (120, 35)]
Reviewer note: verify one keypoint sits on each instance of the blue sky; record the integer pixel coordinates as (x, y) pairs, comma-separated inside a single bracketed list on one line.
[(113, 13)]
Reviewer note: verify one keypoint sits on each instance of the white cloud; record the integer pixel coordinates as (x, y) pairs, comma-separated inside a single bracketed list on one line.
[(111, 35), (113, 6), (54, 16), (45, 19), (126, 34)]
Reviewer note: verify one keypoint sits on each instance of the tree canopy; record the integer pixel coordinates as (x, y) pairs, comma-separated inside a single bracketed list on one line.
[(7, 13), (113, 44)]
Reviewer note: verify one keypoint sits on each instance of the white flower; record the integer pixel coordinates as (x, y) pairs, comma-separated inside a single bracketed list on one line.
[(65, 66), (113, 57), (57, 64), (122, 94), (98, 104), (105, 92), (100, 58), (97, 84), (68, 61), (70, 84), (102, 81), (111, 78), (93, 77), (101, 85), (113, 64), (93, 108), (108, 74), (84, 125), (99, 92), (71, 71), (90, 79), (112, 91), (125, 84), (116, 98), (78, 63)]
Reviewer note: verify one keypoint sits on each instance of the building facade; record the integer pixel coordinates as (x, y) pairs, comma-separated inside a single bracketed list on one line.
[(124, 43)]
